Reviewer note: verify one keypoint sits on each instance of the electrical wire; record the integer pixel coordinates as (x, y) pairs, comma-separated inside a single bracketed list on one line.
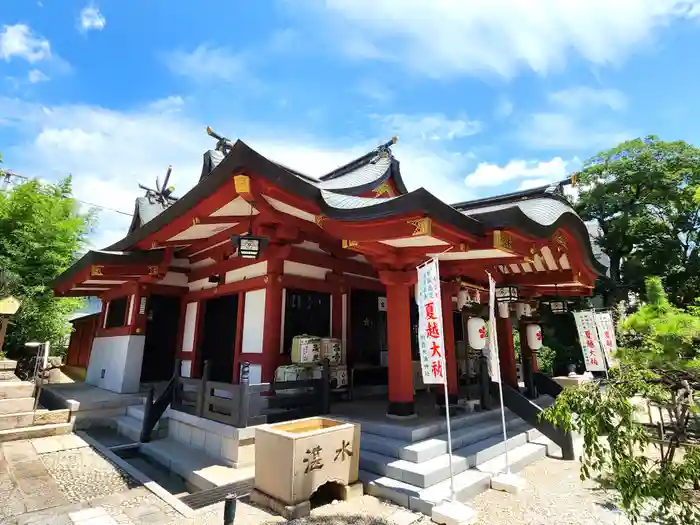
[(6, 175)]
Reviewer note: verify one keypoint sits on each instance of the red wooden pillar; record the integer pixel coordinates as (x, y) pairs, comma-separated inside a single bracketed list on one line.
[(399, 342), (448, 333), (272, 335), (506, 351)]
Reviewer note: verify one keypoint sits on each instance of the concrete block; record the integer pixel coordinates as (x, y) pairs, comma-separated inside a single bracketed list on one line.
[(52, 416), (453, 513), (289, 512), (510, 483), (197, 440), (8, 364), (212, 443), (15, 434), (24, 419)]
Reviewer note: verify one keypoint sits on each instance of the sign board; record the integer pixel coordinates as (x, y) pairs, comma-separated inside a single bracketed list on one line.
[(606, 332), (590, 343), (382, 304), (430, 338), (9, 305)]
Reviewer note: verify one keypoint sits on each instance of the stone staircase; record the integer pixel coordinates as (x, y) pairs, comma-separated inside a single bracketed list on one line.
[(18, 419), (410, 466)]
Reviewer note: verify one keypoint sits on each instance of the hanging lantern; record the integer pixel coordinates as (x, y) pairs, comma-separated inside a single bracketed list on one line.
[(507, 294), (249, 246), (476, 332), (523, 309), (534, 336), (558, 307), (462, 298), (503, 310)]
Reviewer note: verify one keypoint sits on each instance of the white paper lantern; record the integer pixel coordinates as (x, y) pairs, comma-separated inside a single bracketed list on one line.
[(476, 331), (534, 336), (462, 298)]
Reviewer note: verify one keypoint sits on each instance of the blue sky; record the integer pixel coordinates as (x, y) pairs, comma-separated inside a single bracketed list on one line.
[(486, 96)]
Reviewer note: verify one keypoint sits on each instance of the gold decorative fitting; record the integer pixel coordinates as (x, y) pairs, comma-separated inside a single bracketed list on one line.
[(96, 269), (195, 221), (266, 279), (242, 183), (349, 245), (152, 270), (502, 241), (421, 226), (138, 330), (318, 219), (154, 245), (394, 139), (383, 189), (463, 247)]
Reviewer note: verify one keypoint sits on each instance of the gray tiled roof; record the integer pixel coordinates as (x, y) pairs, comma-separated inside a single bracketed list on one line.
[(346, 202), (545, 211), (360, 176)]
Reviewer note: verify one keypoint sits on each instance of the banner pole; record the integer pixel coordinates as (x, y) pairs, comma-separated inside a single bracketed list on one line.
[(494, 341)]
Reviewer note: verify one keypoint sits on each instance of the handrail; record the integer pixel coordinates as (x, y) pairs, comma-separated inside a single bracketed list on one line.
[(153, 410), (546, 384), (530, 412)]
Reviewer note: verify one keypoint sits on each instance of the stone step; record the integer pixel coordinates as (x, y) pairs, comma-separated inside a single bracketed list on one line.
[(468, 483), (518, 458), (138, 412), (8, 365), (33, 418), (436, 446), (16, 405), (436, 470), (36, 431), (15, 389), (195, 466), (131, 427)]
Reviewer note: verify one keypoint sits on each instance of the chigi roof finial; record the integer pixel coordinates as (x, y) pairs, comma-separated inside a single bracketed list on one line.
[(163, 193)]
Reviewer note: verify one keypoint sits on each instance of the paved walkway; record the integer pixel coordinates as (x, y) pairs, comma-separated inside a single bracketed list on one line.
[(62, 481)]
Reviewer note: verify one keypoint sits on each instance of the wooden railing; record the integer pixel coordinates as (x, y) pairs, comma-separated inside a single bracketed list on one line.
[(244, 405)]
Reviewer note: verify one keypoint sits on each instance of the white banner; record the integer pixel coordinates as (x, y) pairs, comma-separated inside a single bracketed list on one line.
[(430, 339), (492, 347), (606, 332), (590, 343)]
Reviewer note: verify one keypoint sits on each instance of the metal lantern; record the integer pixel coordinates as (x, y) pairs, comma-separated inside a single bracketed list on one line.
[(249, 246), (523, 309), (476, 332), (507, 294), (534, 336), (558, 307)]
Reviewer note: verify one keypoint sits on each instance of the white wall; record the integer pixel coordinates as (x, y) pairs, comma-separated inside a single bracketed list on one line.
[(121, 358), (253, 322)]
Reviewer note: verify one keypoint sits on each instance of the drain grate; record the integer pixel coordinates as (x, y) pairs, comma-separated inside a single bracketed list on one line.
[(204, 498)]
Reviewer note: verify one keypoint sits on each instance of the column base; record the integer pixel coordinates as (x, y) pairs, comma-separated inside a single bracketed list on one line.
[(401, 409), (452, 399)]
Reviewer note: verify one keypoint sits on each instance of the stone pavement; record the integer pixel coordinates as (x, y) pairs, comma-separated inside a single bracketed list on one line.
[(60, 480)]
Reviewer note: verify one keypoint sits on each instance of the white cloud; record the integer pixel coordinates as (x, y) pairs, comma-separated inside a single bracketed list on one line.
[(587, 98), (91, 19), (431, 127), (109, 152), (205, 64), (453, 37), (503, 109), (532, 173), (35, 76), (19, 41)]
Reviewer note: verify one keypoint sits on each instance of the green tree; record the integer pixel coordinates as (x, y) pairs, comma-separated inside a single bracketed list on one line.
[(645, 195), (41, 234), (653, 468)]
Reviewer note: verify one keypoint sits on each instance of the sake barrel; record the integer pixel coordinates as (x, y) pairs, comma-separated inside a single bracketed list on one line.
[(332, 349), (306, 349), (339, 376)]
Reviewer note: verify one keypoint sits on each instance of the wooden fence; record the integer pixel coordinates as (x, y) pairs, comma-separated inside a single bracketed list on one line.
[(244, 405)]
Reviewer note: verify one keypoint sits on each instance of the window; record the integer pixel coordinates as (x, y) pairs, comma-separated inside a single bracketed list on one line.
[(116, 312)]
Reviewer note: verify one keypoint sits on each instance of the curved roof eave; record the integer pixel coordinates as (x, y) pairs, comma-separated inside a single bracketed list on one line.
[(568, 220)]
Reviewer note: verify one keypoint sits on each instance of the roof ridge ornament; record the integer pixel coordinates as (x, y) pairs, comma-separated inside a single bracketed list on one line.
[(163, 194), (383, 151), (223, 144)]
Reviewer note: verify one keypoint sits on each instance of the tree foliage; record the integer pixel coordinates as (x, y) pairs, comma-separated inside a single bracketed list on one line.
[(653, 467), (645, 195), (41, 233)]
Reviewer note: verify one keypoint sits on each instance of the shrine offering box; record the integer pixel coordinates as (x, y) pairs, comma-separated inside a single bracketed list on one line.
[(295, 458)]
